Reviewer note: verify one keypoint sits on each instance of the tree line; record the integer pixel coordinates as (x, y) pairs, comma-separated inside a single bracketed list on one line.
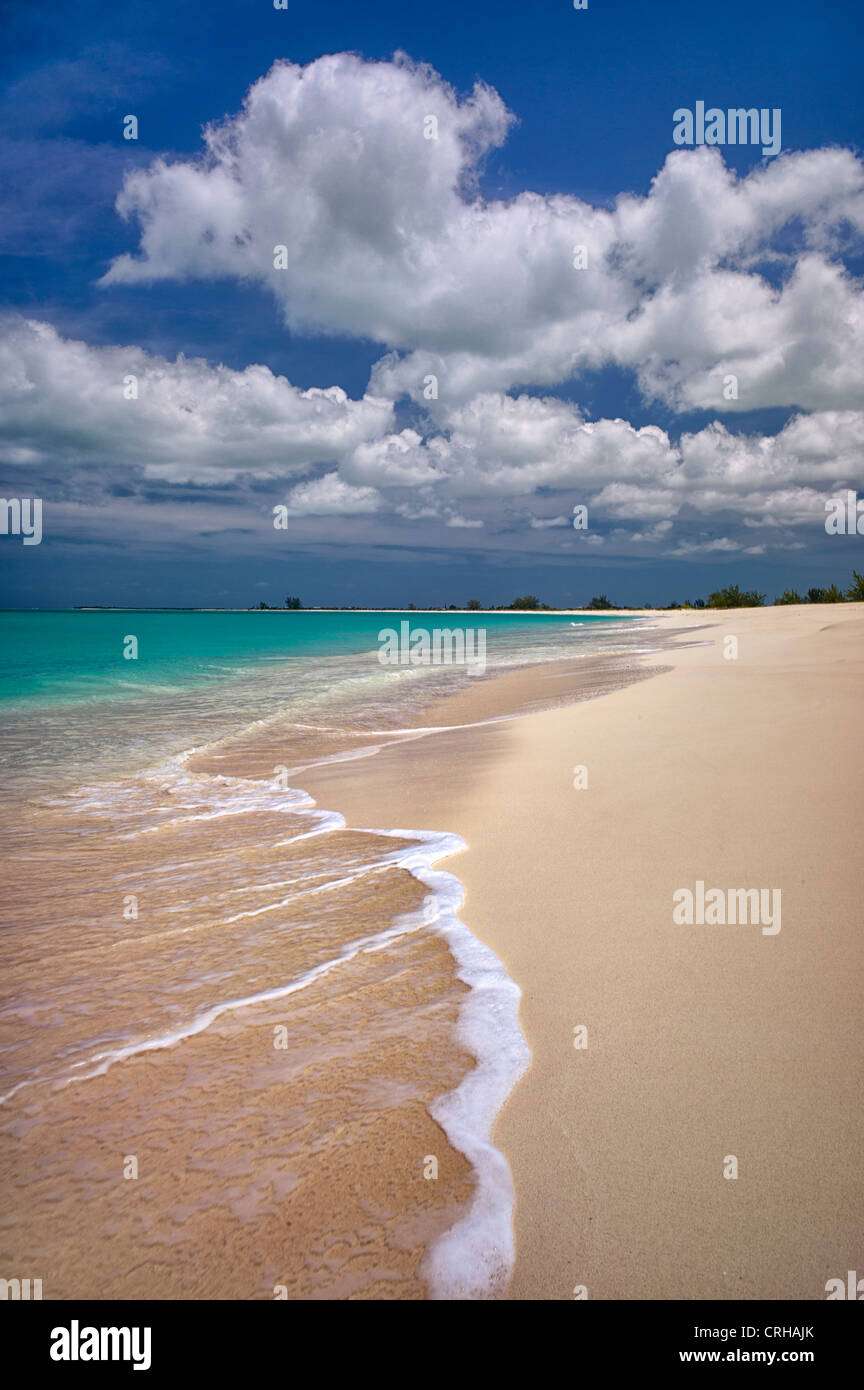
[(729, 597)]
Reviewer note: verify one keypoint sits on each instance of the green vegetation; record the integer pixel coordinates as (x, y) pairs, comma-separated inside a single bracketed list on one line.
[(733, 597), (833, 595), (529, 602), (830, 595), (729, 597)]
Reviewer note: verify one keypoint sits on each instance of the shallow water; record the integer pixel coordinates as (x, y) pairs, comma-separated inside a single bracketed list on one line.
[(276, 1021)]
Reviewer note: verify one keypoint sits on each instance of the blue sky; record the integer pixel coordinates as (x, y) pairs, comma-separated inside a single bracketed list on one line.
[(545, 392)]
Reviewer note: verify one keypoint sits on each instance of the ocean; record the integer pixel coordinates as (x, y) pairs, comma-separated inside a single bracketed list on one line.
[(248, 1051)]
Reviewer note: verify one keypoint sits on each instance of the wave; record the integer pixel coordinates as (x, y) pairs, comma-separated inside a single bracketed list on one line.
[(474, 1258)]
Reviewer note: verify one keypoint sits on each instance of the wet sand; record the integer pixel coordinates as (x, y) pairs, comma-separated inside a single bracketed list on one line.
[(227, 1023), (302, 1168), (704, 1043)]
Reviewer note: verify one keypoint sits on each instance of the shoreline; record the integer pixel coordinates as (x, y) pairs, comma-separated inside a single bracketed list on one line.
[(405, 1047), (555, 903), (587, 1145), (608, 613)]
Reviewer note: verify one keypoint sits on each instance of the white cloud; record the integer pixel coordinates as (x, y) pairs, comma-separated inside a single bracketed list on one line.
[(801, 345), (331, 496), (62, 402), (722, 544), (388, 239), (331, 161), (398, 460), (500, 446), (62, 412)]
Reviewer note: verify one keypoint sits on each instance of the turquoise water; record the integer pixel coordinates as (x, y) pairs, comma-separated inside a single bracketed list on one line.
[(72, 707), (64, 657)]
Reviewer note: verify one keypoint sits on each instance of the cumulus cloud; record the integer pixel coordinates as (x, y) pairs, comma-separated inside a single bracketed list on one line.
[(331, 496), (479, 466), (332, 162), (498, 450), (63, 402), (799, 345), (387, 238)]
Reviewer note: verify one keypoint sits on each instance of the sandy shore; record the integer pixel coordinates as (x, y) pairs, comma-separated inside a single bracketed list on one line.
[(704, 1042)]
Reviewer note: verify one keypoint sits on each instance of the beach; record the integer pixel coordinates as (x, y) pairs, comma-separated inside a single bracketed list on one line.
[(703, 1042), (406, 1013), (250, 1051)]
